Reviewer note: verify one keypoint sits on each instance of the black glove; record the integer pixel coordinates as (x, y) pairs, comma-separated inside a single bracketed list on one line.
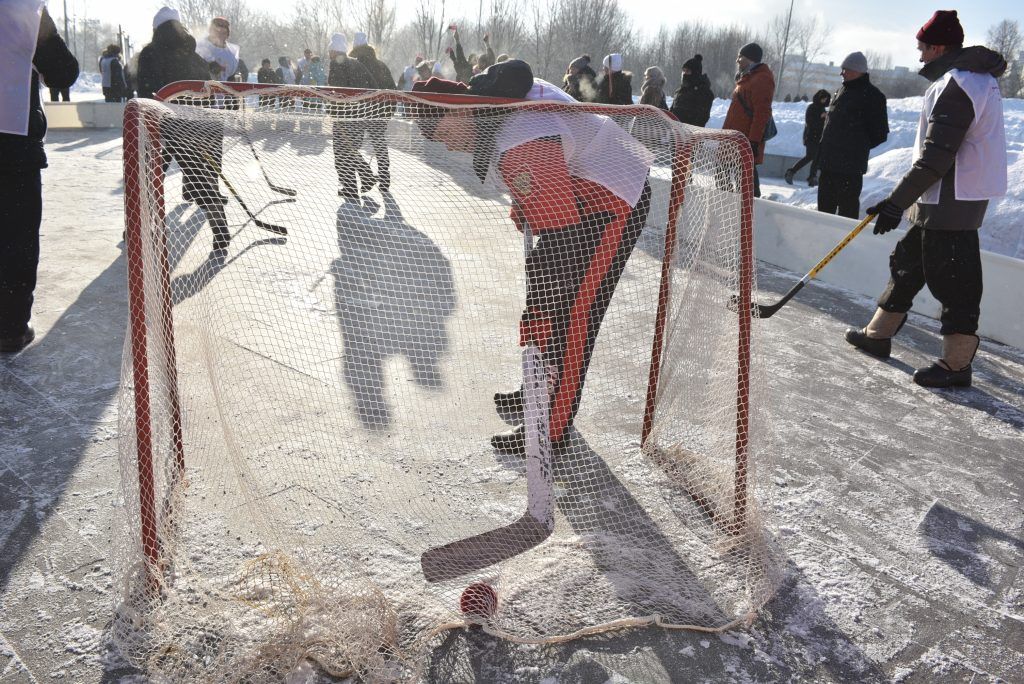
[(754, 147), (888, 216)]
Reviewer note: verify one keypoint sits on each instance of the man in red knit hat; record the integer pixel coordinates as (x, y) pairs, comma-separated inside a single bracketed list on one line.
[(959, 165)]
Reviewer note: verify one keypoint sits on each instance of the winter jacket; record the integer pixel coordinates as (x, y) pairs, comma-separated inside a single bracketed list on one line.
[(463, 69), (346, 72), (170, 57), (692, 102), (380, 71), (616, 89), (652, 90), (582, 86), (814, 118), (59, 69), (754, 91), (267, 75), (856, 122), (952, 120)]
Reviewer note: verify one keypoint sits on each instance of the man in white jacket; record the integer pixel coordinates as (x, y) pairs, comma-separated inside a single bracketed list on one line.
[(959, 165)]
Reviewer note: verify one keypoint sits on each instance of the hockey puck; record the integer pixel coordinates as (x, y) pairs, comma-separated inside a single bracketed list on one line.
[(479, 600)]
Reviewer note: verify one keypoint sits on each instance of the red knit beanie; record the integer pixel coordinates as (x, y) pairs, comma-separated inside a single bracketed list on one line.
[(942, 29)]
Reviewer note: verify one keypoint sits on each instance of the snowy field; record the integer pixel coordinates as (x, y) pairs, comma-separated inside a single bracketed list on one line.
[(898, 509)]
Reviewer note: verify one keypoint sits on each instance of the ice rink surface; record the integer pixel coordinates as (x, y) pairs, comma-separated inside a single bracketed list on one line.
[(898, 509)]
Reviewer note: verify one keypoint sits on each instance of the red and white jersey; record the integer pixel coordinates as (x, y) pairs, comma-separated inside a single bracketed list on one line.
[(594, 147)]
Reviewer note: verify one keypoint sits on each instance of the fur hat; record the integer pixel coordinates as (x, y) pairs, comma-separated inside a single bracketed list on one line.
[(339, 43), (752, 51), (654, 77), (359, 39), (855, 61), (165, 14), (613, 62), (942, 29), (695, 64)]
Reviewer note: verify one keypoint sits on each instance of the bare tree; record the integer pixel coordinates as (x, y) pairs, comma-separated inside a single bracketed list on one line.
[(507, 26), (878, 61), (376, 18), (1005, 38), (544, 45), (808, 38)]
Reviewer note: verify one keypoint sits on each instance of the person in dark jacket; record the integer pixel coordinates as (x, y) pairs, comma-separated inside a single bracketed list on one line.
[(354, 173), (463, 65), (33, 48), (692, 102), (814, 124), (267, 74), (579, 80), (856, 122), (959, 166), (197, 146), (614, 86), (377, 125), (112, 74)]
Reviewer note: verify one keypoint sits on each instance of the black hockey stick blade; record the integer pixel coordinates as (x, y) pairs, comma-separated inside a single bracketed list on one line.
[(272, 227), (471, 554), (273, 186), (769, 310)]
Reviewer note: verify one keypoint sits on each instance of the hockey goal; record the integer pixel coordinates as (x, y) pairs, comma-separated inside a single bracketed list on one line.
[(309, 382)]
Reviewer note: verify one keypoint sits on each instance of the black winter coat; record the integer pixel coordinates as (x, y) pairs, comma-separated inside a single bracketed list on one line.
[(59, 68), (692, 102), (857, 121), (615, 90), (814, 120), (582, 85), (170, 57)]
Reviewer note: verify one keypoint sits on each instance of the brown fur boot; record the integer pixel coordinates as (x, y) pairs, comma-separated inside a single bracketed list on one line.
[(954, 368), (876, 337)]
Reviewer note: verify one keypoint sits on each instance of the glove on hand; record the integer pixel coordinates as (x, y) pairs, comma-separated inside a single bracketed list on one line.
[(888, 216)]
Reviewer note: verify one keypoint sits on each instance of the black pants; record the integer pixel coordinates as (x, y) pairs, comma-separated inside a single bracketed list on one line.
[(60, 94), (757, 183), (810, 157), (347, 137), (198, 147), (21, 211), (839, 193), (556, 272), (949, 263)]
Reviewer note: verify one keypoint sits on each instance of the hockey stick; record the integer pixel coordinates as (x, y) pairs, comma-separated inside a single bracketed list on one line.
[(474, 553), (273, 228), (769, 310), (276, 188)]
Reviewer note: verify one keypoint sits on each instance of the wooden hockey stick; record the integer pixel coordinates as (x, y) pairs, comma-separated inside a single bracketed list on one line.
[(474, 553), (272, 227), (276, 188), (769, 310)]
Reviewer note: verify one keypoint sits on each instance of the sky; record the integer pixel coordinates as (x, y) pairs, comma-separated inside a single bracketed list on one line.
[(876, 25)]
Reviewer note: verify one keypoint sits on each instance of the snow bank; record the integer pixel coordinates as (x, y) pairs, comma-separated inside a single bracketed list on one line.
[(1003, 231), (89, 86)]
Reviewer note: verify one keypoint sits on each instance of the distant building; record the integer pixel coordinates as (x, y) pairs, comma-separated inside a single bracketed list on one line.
[(806, 78)]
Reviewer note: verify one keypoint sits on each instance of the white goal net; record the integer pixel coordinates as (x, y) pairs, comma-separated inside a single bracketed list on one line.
[(389, 373)]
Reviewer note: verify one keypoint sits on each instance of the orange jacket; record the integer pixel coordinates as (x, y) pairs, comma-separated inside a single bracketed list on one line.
[(756, 89)]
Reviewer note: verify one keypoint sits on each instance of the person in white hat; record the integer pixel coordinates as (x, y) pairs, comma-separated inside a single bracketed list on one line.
[(614, 86), (354, 173), (377, 125)]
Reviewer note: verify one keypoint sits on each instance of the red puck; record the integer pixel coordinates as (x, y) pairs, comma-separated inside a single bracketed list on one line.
[(479, 600)]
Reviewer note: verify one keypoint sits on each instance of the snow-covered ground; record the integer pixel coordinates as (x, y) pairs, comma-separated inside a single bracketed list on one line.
[(1003, 231)]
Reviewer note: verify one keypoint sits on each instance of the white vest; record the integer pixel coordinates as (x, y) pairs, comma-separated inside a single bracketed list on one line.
[(19, 29), (226, 57), (588, 141), (981, 159)]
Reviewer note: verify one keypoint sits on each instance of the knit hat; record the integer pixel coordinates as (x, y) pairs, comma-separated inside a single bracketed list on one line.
[(942, 29), (512, 78), (695, 64), (752, 51), (855, 61), (339, 43), (613, 62), (359, 39), (164, 15), (579, 63)]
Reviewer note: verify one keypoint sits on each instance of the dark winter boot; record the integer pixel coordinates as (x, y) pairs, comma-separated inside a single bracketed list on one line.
[(509, 403), (790, 173), (15, 343), (954, 368), (876, 338), (812, 181), (219, 224)]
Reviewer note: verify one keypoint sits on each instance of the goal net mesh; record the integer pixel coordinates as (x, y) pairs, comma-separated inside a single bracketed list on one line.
[(327, 290)]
